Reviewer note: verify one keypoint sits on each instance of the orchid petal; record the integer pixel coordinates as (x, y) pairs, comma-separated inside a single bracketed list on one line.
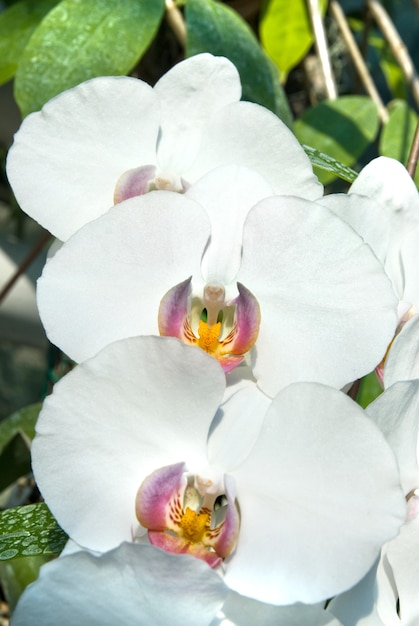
[(328, 309), (227, 194), (189, 94), (276, 155), (320, 484), (402, 362), (106, 283), (237, 424), (97, 439), (241, 611), (99, 129), (396, 413), (357, 607), (366, 217), (388, 182), (402, 556), (130, 585), (408, 260)]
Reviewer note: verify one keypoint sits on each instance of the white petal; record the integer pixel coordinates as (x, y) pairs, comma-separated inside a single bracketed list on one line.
[(241, 611), (141, 404), (396, 413), (190, 94), (67, 158), (132, 584), (237, 425), (328, 309), (227, 194), (402, 362), (248, 134), (107, 281), (366, 217), (318, 496), (388, 182), (358, 606), (402, 554)]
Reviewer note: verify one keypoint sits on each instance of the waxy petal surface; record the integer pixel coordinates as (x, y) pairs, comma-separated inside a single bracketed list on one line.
[(328, 309), (396, 413), (106, 283), (130, 585), (189, 95), (240, 611), (402, 362), (388, 183), (227, 194), (276, 155), (319, 485), (108, 425), (67, 158)]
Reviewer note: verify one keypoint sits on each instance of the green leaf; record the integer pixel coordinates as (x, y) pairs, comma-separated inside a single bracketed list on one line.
[(17, 574), (15, 461), (79, 40), (16, 26), (341, 128), (16, 432), (397, 135), (216, 28), (329, 164), (28, 531), (22, 421), (285, 31)]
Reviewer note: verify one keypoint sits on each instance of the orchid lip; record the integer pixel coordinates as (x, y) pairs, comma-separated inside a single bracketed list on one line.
[(146, 178), (185, 514), (225, 330)]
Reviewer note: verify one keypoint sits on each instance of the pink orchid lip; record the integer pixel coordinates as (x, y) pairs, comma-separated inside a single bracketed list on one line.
[(174, 320), (135, 182), (181, 515), (146, 178)]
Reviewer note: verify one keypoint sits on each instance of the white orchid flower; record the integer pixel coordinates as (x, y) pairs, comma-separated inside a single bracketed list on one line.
[(388, 595), (212, 264), (382, 205), (290, 499), (114, 137)]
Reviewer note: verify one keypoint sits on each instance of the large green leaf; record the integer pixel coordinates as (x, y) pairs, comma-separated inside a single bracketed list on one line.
[(216, 28), (16, 26), (28, 531), (79, 40), (341, 128), (286, 32), (397, 136)]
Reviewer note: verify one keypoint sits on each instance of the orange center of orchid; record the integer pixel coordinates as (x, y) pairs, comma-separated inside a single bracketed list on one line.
[(208, 336), (194, 524)]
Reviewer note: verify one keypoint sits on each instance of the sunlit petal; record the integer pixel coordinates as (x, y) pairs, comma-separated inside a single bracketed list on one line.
[(108, 425)]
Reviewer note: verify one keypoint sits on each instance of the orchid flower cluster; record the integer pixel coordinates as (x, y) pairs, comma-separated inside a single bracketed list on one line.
[(202, 456)]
